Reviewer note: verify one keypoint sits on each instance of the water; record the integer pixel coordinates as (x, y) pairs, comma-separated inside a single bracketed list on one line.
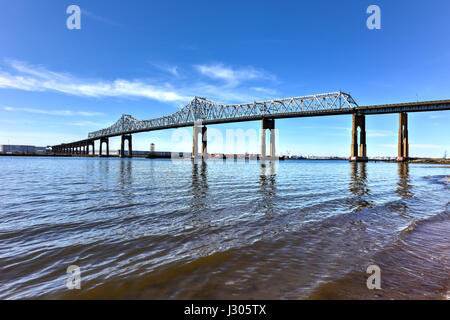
[(153, 229)]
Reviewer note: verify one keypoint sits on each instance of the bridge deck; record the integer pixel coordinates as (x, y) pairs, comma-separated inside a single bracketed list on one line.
[(209, 112)]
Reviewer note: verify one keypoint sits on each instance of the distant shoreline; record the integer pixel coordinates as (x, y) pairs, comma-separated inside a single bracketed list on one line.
[(411, 160)]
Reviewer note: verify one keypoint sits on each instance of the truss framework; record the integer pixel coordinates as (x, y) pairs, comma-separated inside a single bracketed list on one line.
[(207, 111)]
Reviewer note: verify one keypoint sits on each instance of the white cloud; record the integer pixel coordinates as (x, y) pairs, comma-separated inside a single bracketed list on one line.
[(90, 124), (93, 16), (173, 70), (23, 76), (38, 78), (37, 138), (265, 90), (55, 112), (230, 75), (438, 116), (379, 133)]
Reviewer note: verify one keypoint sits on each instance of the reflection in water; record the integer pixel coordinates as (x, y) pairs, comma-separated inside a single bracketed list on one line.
[(199, 187), (153, 229), (404, 189), (358, 185), (267, 179), (125, 172), (104, 166)]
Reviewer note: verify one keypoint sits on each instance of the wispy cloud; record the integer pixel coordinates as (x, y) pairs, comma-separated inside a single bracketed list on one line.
[(173, 70), (233, 76), (379, 133), (438, 116), (92, 124), (38, 138), (38, 78), (268, 91), (229, 88), (93, 16), (55, 112)]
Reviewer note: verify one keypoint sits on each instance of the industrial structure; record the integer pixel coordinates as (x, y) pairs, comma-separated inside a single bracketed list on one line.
[(201, 112), (21, 149)]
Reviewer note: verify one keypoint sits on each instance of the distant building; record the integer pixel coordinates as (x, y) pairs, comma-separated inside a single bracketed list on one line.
[(135, 152), (9, 148)]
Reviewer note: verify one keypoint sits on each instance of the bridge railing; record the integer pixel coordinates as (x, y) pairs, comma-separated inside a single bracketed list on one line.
[(201, 109)]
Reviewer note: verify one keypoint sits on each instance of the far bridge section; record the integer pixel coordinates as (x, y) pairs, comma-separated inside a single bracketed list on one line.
[(201, 112)]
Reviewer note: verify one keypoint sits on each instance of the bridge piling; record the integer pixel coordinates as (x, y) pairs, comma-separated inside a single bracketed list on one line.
[(90, 144), (267, 124), (358, 121), (195, 141), (403, 145), (122, 146), (199, 129), (204, 142), (105, 140)]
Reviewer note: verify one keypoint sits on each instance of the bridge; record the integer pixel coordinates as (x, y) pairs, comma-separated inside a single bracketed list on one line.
[(201, 112)]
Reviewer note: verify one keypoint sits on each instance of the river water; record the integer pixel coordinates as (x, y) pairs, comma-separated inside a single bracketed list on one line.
[(158, 229)]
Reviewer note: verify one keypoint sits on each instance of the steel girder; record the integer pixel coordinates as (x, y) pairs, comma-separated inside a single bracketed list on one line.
[(201, 109)]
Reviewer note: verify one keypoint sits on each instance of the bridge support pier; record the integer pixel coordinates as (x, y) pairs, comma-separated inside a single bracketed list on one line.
[(199, 129), (403, 145), (268, 124), (122, 146), (204, 142), (358, 121), (105, 140), (90, 144)]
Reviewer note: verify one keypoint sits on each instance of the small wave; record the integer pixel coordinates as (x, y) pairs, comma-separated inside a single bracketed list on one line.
[(415, 223)]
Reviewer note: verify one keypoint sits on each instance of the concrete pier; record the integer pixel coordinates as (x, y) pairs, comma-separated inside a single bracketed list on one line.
[(403, 145), (267, 124), (358, 151), (90, 144), (122, 145), (199, 129), (204, 142), (105, 140)]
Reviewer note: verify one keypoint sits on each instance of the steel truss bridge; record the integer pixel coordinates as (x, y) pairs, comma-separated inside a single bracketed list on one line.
[(207, 112), (211, 112)]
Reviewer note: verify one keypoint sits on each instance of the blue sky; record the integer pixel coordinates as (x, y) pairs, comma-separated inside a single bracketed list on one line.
[(149, 58)]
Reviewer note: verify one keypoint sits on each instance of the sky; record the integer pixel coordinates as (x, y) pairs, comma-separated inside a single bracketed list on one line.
[(150, 58)]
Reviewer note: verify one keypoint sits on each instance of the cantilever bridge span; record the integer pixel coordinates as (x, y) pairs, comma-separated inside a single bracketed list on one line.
[(201, 112)]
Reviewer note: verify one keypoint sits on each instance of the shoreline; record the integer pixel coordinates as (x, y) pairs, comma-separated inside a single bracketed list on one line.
[(411, 160)]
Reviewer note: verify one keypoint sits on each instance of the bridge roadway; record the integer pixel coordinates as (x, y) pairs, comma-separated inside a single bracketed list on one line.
[(201, 112)]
